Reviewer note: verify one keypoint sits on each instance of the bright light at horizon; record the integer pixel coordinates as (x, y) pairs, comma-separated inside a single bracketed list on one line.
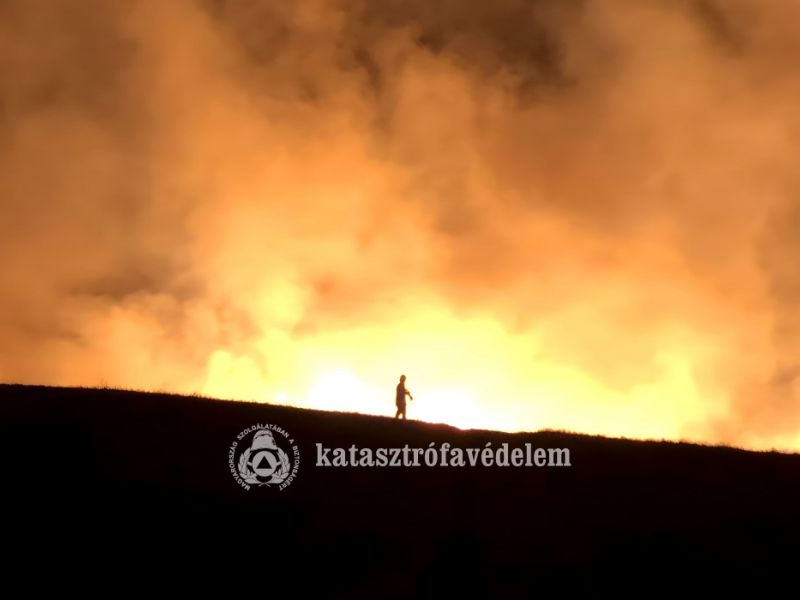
[(340, 389), (468, 373)]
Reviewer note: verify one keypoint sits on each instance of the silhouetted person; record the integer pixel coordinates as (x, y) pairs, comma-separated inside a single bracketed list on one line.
[(400, 398)]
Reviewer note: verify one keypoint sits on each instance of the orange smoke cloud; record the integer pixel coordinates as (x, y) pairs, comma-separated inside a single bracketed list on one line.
[(577, 215)]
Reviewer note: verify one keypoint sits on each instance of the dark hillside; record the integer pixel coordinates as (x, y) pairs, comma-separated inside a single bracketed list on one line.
[(115, 482)]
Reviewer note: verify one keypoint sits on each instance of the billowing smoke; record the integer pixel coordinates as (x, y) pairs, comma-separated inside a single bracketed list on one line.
[(572, 214)]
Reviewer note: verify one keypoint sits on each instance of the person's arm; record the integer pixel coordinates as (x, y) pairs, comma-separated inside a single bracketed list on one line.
[(409, 395)]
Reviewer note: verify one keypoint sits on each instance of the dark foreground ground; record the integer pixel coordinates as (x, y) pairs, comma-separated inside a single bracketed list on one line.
[(133, 490)]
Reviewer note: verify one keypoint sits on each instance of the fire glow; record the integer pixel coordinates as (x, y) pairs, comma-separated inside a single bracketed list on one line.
[(580, 216)]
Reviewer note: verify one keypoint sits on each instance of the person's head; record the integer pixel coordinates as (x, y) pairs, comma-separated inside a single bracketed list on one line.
[(402, 378)]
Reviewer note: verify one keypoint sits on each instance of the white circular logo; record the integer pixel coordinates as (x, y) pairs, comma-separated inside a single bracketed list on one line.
[(264, 455)]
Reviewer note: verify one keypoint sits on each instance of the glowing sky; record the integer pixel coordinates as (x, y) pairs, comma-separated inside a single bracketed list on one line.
[(581, 215)]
